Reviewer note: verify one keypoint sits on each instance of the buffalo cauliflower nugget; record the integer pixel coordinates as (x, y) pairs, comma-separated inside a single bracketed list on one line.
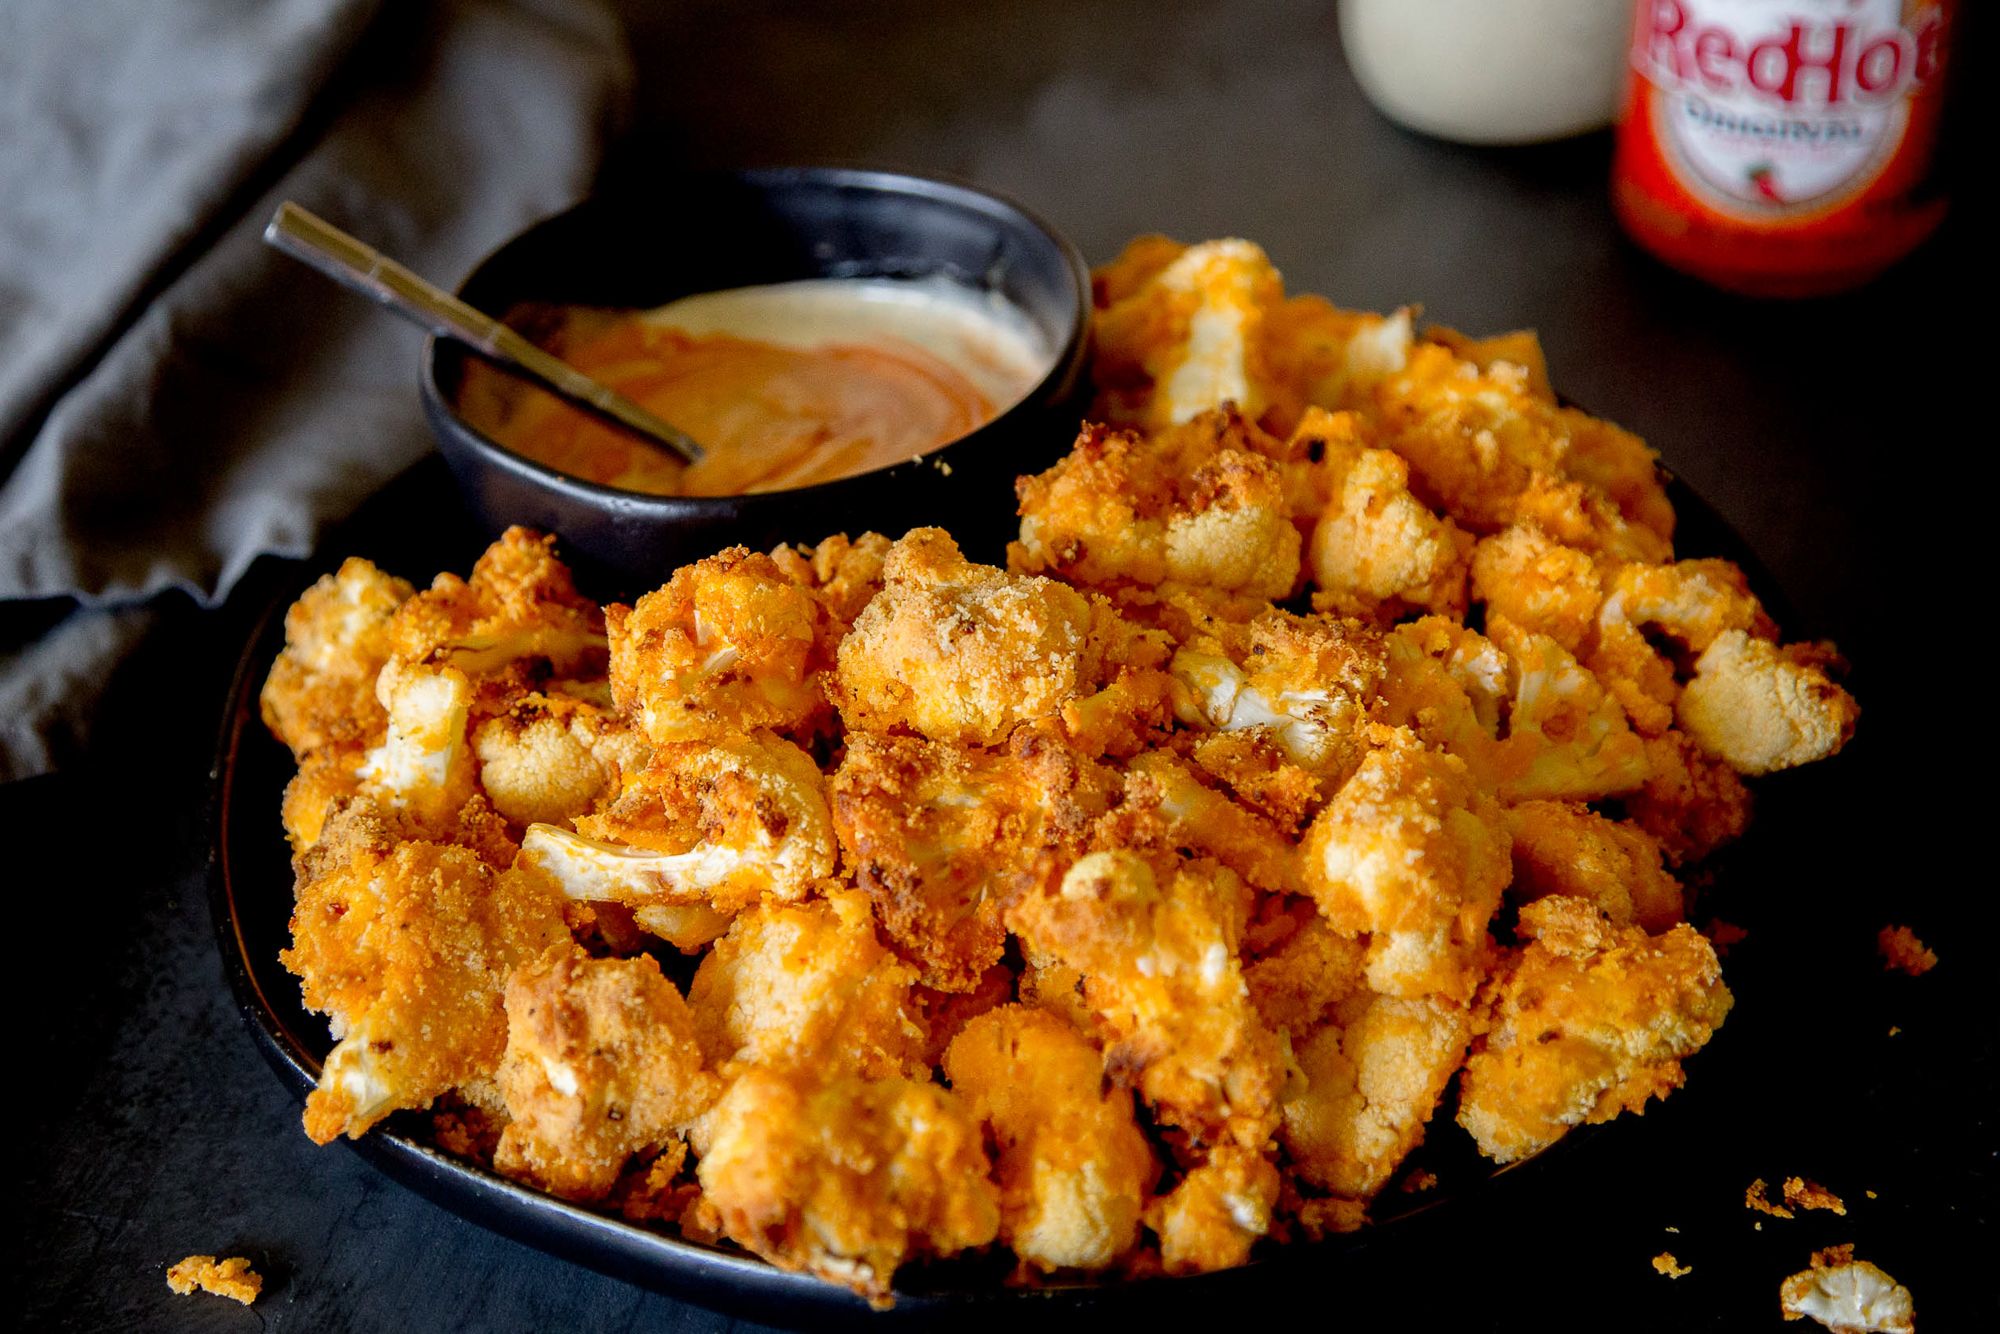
[(1217, 1212), (548, 757), (1848, 1296), (601, 1063), (406, 948), (1073, 1167), (519, 611), (321, 690), (807, 987), (1566, 848), (944, 838), (1691, 803), (846, 1177), (1589, 1020), (1377, 551), (1762, 707), (843, 574), (729, 644), (1157, 951), (1413, 853), (1192, 506)]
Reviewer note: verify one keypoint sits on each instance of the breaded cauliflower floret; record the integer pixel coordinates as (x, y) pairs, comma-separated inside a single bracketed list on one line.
[(547, 758), (601, 1063), (1377, 551), (1256, 768), (1579, 515), (960, 652), (842, 574), (519, 607), (1194, 816), (714, 824), (1308, 682), (1332, 358), (728, 644), (1217, 1212), (1158, 954), (321, 690), (844, 1177), (1373, 1076), (1587, 1021), (944, 838), (1691, 803), (807, 986), (1073, 1168), (1413, 853), (406, 947), (1191, 505), (1566, 737), (424, 765), (1300, 978), (1567, 848), (1690, 601), (1848, 1296), (1538, 584), (1764, 708)]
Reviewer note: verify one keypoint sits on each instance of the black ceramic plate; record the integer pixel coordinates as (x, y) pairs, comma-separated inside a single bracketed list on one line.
[(415, 528)]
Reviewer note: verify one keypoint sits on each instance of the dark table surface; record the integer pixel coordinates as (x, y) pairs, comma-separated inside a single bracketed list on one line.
[(1837, 436)]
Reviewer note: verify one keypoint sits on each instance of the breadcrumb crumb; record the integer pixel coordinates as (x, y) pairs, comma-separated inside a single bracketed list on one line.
[(1903, 952), (1803, 1194), (1418, 1181), (1755, 1198), (1848, 1296), (1666, 1264), (232, 1278)]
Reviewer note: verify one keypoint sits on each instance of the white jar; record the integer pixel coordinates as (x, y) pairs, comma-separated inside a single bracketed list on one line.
[(1490, 71)]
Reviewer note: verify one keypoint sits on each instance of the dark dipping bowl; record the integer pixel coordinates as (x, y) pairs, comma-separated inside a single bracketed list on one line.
[(702, 233)]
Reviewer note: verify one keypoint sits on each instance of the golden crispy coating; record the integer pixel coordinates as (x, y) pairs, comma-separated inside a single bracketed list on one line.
[(1379, 552), (712, 824), (846, 1177), (321, 690), (842, 574), (1183, 812), (1307, 973), (1158, 953), (1373, 1075), (1252, 764), (1764, 708), (960, 652), (519, 606), (1581, 516), (601, 1063), (325, 777), (1567, 848), (1072, 1167), (1217, 1212), (808, 987), (1589, 1020), (1196, 505), (1848, 1296), (548, 758), (1689, 601), (729, 644), (1536, 583), (405, 946), (1309, 683), (232, 1278), (944, 838), (1413, 853), (1518, 347), (1567, 736), (1690, 803), (1635, 674)]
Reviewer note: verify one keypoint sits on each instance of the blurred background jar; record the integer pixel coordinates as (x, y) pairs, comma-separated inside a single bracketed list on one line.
[(1490, 71)]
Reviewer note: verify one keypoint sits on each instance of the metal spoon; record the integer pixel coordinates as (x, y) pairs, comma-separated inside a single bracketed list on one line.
[(311, 239)]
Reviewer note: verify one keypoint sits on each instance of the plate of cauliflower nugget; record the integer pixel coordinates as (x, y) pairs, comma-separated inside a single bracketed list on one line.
[(1321, 765)]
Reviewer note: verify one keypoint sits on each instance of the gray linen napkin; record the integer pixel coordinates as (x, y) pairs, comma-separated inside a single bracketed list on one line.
[(176, 399)]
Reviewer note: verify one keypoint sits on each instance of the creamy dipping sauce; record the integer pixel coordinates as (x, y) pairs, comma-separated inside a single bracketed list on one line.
[(784, 385)]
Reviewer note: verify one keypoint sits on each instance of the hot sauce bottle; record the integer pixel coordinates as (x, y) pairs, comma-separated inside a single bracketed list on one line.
[(1783, 147)]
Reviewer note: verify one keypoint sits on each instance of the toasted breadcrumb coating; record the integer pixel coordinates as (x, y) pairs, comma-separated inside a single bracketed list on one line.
[(1072, 1167), (321, 690), (406, 946), (1566, 848), (519, 605), (842, 574), (549, 757), (1848, 1296), (1691, 803), (1665, 1263), (807, 987), (1764, 708), (1378, 551), (1217, 1212), (1758, 1197), (1902, 952), (232, 1278), (1528, 578), (1411, 852), (1803, 1194), (845, 1177), (601, 1063), (1587, 1021)]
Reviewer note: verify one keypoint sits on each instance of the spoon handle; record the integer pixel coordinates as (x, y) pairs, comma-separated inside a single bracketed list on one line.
[(360, 268)]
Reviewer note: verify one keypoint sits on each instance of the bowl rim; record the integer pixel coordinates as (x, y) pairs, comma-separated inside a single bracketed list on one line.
[(1066, 363)]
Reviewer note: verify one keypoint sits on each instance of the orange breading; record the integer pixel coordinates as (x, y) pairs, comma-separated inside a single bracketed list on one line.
[(1635, 674), (1566, 735), (1690, 803), (1666, 1264), (1297, 980), (519, 608), (845, 1177), (1517, 347), (1902, 951), (232, 1278), (1762, 707), (1157, 948), (944, 838), (807, 986), (1538, 584), (1163, 792), (1450, 685), (1217, 1212), (1585, 1022), (1262, 776), (1411, 852), (1803, 1194), (601, 1064), (406, 946), (1567, 848), (1195, 506), (1379, 552), (728, 644), (321, 689), (1691, 602), (1373, 1074), (1757, 1197), (1072, 1167), (842, 574)]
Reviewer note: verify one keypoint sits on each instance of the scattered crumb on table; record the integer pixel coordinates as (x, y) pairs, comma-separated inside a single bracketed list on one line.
[(1673, 1229), (232, 1278), (1871, 1194), (1666, 1264), (1755, 1198), (1895, 1029), (1419, 1180), (1803, 1194), (1848, 1296), (1902, 951)]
